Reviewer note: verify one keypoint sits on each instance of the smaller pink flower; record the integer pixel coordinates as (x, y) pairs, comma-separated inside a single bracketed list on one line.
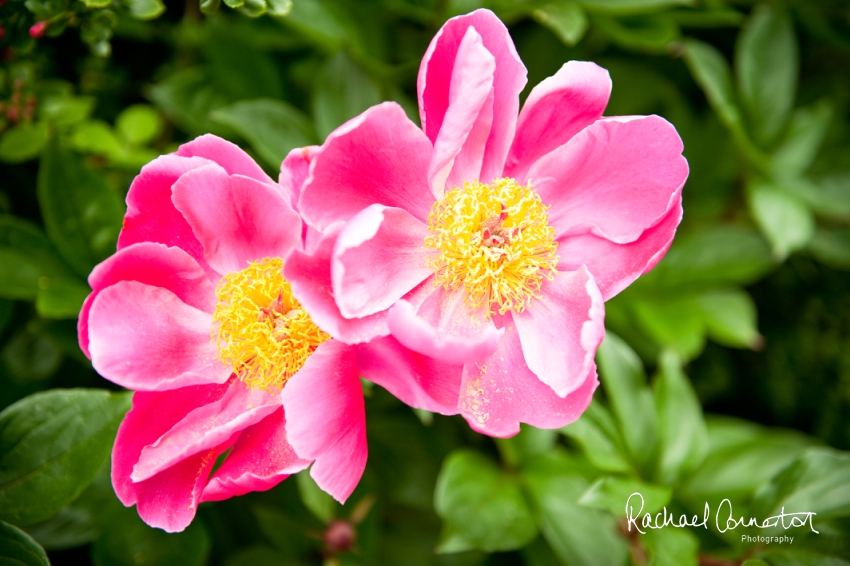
[(37, 29), (194, 314), (487, 240)]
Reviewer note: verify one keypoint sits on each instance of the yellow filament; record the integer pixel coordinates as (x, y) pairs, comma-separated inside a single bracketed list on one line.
[(494, 241), (260, 329)]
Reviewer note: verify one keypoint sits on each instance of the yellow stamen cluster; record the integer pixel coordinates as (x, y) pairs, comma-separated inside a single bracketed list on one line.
[(494, 241), (259, 327)]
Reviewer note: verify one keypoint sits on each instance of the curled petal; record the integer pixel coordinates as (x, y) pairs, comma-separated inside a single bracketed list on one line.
[(226, 154)]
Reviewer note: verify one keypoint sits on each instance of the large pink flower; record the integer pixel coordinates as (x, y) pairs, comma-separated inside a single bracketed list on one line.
[(193, 313), (487, 240)]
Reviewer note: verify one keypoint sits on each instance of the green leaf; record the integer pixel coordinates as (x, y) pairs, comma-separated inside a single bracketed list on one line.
[(127, 541), (730, 316), (481, 505), (30, 356), (145, 9), (187, 97), (51, 446), (671, 547), (279, 8), (614, 494), (675, 321), (599, 439), (624, 381), (817, 482), (766, 68), (209, 7), (801, 143), (580, 536), (139, 124), (682, 435), (272, 127), (317, 501), (566, 19), (650, 34), (28, 261), (528, 443), (95, 136), (252, 8), (61, 297), (341, 91), (314, 20), (18, 549), (81, 213), (240, 69), (23, 142), (754, 562), (831, 246), (711, 72), (785, 220), (64, 110), (802, 558), (96, 3), (630, 7)]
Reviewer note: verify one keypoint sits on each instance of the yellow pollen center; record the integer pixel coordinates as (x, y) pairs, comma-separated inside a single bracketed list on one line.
[(494, 241), (260, 329)]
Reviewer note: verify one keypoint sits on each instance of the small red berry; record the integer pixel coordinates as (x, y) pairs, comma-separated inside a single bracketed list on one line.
[(38, 29)]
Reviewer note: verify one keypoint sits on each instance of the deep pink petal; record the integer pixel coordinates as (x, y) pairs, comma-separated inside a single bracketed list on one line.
[(615, 266), (326, 418), (435, 82), (260, 459), (294, 171), (615, 179), (556, 110), (459, 145), (152, 264), (378, 258), (169, 500), (309, 274), (378, 157), (145, 338), (418, 381), (443, 327), (561, 330), (205, 428), (151, 216), (228, 155), (501, 392), (236, 219)]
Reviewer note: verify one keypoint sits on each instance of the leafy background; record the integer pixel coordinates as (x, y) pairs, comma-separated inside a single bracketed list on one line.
[(726, 373)]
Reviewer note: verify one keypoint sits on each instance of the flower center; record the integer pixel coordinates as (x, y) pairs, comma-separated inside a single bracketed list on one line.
[(494, 241), (259, 327)]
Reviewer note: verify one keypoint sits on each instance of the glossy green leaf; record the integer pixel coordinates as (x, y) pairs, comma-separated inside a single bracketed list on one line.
[(766, 68), (81, 213), (51, 446), (528, 443), (317, 501), (622, 375), (650, 34), (95, 136), (145, 9), (566, 19), (18, 549), (682, 435), (210, 7), (138, 124), (279, 8), (711, 71), (597, 434), (785, 220), (671, 547), (481, 505), (23, 142), (579, 535), (675, 321), (64, 110), (316, 21), (730, 317), (187, 97), (616, 494), (28, 261), (272, 127), (239, 69), (341, 91), (127, 541), (801, 142)]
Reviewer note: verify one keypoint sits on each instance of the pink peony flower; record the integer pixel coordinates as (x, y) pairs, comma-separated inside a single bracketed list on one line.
[(193, 313), (485, 242)]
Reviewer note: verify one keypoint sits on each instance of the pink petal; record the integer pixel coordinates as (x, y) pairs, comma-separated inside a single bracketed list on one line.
[(560, 331), (326, 418), (309, 274), (435, 81), (556, 110), (615, 266), (615, 178), (151, 216), (228, 155), (206, 427), (260, 459), (501, 392), (145, 338), (169, 500), (378, 258), (418, 381), (459, 145), (378, 157), (294, 171), (236, 219), (152, 264), (443, 327)]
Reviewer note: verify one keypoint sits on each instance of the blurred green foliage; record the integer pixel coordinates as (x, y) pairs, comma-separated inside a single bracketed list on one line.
[(751, 302)]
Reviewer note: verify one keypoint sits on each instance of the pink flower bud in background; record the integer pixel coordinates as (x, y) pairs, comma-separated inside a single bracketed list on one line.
[(37, 30)]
